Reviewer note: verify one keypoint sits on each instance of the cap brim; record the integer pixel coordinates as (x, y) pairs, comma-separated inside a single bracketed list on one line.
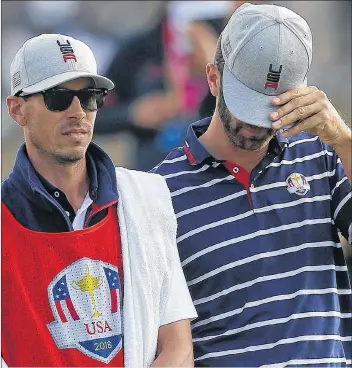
[(247, 105), (100, 81)]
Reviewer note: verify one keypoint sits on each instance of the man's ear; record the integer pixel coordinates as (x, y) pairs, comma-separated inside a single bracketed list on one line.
[(15, 109), (213, 78)]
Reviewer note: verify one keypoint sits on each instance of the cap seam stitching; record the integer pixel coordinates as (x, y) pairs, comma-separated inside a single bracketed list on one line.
[(298, 36), (247, 42)]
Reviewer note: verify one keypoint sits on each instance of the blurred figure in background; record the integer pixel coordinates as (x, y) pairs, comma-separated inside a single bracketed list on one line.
[(160, 80)]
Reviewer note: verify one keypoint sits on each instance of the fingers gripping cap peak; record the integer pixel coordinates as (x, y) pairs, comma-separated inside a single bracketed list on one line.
[(267, 50)]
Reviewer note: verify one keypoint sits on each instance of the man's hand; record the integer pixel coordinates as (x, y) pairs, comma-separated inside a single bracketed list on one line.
[(314, 113)]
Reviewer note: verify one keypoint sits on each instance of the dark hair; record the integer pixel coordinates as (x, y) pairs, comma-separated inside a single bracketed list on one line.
[(219, 61)]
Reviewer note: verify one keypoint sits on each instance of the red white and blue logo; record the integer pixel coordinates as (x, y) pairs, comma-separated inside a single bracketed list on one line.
[(85, 299), (298, 184)]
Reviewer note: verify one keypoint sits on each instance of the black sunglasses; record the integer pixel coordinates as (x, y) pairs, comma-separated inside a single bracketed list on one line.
[(60, 99)]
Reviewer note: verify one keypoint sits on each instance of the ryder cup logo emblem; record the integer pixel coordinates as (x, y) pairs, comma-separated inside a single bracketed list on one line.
[(297, 183), (85, 299)]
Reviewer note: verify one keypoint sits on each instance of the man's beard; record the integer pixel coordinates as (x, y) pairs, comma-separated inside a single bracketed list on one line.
[(68, 158), (233, 132), (63, 158)]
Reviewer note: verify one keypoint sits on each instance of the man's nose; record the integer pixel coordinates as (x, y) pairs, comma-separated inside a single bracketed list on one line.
[(75, 110)]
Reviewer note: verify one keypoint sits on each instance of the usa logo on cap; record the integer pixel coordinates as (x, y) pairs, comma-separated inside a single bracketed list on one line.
[(67, 51), (85, 299), (297, 183)]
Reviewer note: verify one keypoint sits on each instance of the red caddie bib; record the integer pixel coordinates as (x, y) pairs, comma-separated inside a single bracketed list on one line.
[(61, 295)]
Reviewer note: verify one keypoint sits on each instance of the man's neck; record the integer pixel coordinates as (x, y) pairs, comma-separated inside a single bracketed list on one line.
[(217, 143), (71, 178)]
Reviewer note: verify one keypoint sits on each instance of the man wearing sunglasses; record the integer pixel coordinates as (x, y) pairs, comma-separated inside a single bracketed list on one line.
[(90, 270)]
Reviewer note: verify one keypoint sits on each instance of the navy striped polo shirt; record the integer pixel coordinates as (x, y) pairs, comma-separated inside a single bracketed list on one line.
[(261, 253)]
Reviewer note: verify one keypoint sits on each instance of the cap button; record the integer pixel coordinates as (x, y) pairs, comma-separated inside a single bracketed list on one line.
[(279, 20)]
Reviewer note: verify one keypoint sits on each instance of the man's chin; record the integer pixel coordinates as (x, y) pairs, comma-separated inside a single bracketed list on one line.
[(249, 133), (249, 143), (256, 131), (71, 156)]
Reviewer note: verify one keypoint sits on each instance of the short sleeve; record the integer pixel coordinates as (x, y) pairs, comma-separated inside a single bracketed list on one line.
[(179, 304), (341, 195)]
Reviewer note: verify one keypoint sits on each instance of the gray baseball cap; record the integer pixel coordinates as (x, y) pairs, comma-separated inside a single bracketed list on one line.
[(48, 60), (267, 51)]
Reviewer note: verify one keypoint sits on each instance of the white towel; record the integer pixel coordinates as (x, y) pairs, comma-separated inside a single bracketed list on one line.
[(150, 264)]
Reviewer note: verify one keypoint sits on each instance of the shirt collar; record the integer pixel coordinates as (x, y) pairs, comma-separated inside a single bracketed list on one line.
[(101, 172), (196, 152), (92, 175)]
